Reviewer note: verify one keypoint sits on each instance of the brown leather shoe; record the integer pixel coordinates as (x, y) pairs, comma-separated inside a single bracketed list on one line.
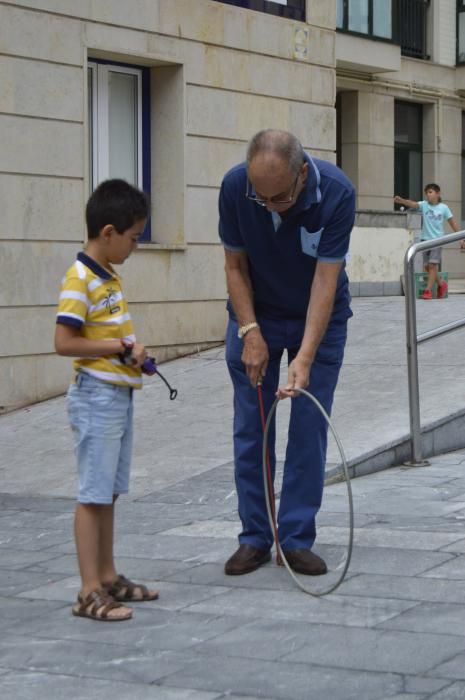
[(304, 561), (246, 559)]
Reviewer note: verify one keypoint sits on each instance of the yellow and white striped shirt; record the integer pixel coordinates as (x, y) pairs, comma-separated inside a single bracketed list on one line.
[(91, 299)]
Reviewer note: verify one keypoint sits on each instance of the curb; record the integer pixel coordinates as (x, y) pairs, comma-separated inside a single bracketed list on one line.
[(443, 435)]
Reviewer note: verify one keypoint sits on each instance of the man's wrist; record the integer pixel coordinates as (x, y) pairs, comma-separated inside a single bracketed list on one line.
[(306, 356), (243, 330)]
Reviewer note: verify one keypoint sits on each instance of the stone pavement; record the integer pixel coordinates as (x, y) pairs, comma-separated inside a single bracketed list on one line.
[(395, 628)]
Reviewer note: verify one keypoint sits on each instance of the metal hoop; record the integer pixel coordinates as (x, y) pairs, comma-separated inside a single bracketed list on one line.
[(345, 469)]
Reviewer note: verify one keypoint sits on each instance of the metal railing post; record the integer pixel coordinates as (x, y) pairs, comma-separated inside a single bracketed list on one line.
[(413, 340), (412, 361)]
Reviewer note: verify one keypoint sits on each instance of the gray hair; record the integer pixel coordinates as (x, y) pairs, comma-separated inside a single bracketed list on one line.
[(281, 143)]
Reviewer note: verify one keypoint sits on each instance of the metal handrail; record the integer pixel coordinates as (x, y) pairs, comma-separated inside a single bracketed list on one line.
[(413, 339)]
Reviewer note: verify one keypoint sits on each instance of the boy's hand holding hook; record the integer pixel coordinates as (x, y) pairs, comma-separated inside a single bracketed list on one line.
[(135, 355)]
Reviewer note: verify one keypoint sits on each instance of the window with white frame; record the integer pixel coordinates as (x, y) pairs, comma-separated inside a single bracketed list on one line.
[(119, 132)]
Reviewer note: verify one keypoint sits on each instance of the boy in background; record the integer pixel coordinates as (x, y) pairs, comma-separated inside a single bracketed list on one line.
[(434, 212), (94, 325)]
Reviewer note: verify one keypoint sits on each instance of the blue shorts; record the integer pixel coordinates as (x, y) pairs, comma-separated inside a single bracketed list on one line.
[(101, 416)]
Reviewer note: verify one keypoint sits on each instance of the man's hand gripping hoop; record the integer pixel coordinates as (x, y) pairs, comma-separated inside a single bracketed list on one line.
[(270, 498)]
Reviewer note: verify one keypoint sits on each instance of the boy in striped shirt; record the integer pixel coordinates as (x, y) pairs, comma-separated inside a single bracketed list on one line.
[(94, 326)]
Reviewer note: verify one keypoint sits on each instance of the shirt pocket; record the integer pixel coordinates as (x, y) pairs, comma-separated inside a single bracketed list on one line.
[(310, 241)]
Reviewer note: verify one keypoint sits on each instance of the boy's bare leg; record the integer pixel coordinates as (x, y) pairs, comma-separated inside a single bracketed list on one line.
[(88, 526), (432, 276), (107, 569), (106, 564)]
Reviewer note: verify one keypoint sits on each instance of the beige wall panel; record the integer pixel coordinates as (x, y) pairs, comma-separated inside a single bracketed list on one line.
[(140, 13), (376, 119), (30, 330), (119, 43), (42, 208), (207, 160), (324, 155), (32, 273), (377, 255), (321, 14), (429, 127), (195, 274), (237, 116), (375, 170), (214, 23), (41, 89), (376, 203), (42, 36), (178, 323), (202, 215), (349, 161), (238, 71), (26, 380), (448, 176), (47, 147), (429, 167), (453, 261), (423, 73), (451, 127), (349, 116)]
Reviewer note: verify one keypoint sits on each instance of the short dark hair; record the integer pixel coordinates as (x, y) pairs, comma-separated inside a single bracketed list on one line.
[(115, 202), (433, 186)]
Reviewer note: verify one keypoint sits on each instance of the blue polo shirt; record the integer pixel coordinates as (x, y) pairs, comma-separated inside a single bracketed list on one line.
[(283, 252)]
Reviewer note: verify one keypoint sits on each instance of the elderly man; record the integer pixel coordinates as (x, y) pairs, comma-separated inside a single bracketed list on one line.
[(285, 223)]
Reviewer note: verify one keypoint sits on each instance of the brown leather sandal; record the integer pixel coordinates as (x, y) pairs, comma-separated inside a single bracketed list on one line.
[(127, 591), (97, 605)]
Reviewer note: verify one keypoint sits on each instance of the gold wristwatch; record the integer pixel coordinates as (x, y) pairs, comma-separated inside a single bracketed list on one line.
[(243, 330)]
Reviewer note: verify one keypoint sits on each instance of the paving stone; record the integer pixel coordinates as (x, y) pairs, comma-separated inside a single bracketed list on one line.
[(421, 684), (383, 537), (418, 588), (13, 582), (33, 540), (10, 501), (74, 658), (266, 577), (456, 547), (436, 618), (21, 559), (207, 528), (456, 691), (453, 569), (374, 650), (151, 628), (453, 668), (283, 681), (173, 596), (334, 609), (14, 610), (35, 520), (388, 560), (132, 567), (32, 685)]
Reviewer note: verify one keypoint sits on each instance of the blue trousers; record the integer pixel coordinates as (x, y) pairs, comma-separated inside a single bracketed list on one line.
[(303, 478)]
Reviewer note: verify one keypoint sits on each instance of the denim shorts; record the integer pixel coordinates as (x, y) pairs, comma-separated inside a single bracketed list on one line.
[(101, 417)]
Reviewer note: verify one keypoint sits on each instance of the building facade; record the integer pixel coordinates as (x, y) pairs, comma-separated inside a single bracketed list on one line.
[(166, 93), (400, 97)]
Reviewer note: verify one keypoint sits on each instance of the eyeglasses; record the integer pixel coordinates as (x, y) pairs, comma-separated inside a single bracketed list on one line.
[(263, 201)]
